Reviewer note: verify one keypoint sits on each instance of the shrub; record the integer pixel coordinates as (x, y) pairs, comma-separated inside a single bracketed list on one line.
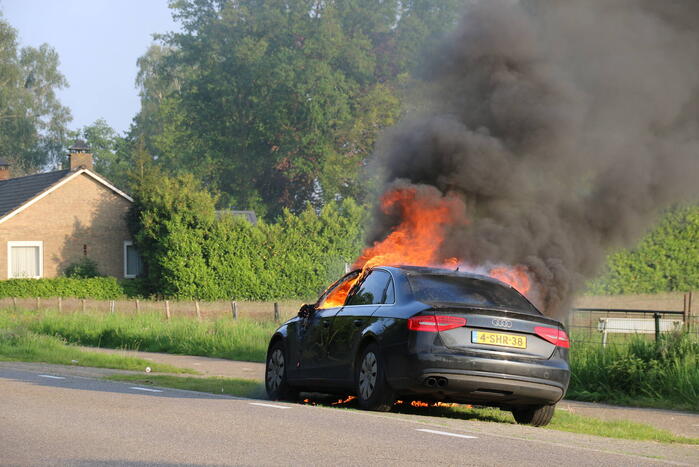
[(99, 288), (83, 269), (190, 253)]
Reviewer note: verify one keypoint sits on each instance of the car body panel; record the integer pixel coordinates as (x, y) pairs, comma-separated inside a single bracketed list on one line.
[(323, 350)]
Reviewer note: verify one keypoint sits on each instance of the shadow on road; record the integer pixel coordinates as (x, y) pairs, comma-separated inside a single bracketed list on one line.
[(419, 408)]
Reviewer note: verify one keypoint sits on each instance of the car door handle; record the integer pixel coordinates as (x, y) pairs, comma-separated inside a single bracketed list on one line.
[(358, 322)]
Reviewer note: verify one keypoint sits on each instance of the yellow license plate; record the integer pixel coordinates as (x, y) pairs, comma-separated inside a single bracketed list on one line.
[(496, 338)]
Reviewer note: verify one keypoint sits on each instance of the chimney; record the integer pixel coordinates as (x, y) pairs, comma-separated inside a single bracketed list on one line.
[(80, 156), (4, 171)]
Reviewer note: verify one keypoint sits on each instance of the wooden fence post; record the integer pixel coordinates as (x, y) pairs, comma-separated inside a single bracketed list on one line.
[(138, 306), (112, 306), (60, 304), (14, 303), (83, 305), (38, 303), (690, 315), (276, 311), (196, 307), (167, 309), (234, 309)]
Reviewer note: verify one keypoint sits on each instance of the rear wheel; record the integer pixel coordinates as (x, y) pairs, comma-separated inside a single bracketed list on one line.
[(275, 375), (373, 393), (535, 416)]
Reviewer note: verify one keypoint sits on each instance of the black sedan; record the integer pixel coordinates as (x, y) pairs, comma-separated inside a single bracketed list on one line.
[(423, 334)]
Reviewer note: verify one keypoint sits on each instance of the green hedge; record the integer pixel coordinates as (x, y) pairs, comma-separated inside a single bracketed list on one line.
[(190, 252), (99, 288)]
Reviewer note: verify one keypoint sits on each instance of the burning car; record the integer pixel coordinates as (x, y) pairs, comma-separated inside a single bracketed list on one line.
[(410, 332)]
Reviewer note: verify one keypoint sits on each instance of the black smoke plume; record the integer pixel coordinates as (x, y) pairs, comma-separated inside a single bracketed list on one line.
[(566, 127)]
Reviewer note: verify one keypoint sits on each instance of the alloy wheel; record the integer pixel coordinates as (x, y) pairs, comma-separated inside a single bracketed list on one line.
[(367, 375), (275, 369)]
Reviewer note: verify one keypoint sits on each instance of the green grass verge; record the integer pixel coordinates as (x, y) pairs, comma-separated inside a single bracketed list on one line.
[(30, 347), (236, 340), (637, 371), (566, 421), (214, 385), (562, 420)]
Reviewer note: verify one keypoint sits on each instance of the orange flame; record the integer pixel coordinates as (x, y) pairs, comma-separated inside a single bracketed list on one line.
[(344, 401), (419, 236), (432, 404), (426, 219), (516, 276), (337, 297)]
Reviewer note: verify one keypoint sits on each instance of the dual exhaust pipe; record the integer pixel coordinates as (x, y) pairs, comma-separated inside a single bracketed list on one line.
[(436, 381)]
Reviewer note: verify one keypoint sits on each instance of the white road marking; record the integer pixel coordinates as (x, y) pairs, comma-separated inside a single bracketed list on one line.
[(445, 433), (145, 389), (51, 376), (270, 405)]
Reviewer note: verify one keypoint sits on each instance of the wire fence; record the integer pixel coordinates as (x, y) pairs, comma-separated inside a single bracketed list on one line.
[(618, 326), (601, 325), (169, 309)]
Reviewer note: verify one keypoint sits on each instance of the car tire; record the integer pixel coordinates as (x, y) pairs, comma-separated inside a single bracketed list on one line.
[(373, 393), (276, 382), (535, 416)]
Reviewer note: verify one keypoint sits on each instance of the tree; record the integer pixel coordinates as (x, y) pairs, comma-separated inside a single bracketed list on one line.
[(169, 221), (666, 260), (276, 103), (112, 154), (33, 123)]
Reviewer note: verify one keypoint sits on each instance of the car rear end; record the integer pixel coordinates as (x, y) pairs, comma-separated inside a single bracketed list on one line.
[(493, 348)]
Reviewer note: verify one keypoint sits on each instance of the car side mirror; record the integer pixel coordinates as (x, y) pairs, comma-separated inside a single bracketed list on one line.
[(306, 310)]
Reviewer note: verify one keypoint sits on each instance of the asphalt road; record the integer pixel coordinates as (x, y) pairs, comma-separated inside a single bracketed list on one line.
[(57, 418)]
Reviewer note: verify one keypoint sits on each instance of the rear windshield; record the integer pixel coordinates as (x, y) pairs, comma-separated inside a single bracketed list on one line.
[(467, 291)]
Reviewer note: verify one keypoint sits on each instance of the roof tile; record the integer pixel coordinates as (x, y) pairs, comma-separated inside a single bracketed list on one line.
[(17, 191)]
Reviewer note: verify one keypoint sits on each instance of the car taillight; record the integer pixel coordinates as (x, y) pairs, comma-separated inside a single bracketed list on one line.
[(553, 335), (430, 323)]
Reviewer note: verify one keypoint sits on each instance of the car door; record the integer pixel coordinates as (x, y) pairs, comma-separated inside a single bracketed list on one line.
[(350, 322), (313, 332)]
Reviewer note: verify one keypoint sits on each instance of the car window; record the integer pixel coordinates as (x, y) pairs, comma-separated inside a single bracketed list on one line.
[(390, 293), (373, 290), (468, 291), (337, 293)]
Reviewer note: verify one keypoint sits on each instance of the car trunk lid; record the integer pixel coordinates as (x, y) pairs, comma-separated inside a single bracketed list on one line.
[(498, 332)]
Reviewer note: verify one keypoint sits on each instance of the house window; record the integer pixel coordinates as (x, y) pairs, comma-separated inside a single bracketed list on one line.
[(133, 266), (25, 260)]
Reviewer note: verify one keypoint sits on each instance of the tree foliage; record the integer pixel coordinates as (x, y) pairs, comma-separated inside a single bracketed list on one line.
[(666, 260), (32, 120), (275, 103), (191, 251)]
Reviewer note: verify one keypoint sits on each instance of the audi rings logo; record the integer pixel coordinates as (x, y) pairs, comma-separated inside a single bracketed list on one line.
[(502, 323)]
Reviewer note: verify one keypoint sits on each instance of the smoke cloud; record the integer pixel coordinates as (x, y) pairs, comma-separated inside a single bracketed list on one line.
[(565, 127)]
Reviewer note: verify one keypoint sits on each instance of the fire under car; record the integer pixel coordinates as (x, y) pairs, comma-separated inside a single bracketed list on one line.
[(417, 333)]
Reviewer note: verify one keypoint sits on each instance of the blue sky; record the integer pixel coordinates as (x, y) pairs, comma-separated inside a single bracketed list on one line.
[(98, 42)]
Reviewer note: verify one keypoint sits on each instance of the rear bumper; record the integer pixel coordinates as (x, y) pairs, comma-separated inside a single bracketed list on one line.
[(476, 379), (489, 388)]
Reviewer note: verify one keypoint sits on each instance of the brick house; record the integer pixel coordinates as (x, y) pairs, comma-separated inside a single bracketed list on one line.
[(51, 220)]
